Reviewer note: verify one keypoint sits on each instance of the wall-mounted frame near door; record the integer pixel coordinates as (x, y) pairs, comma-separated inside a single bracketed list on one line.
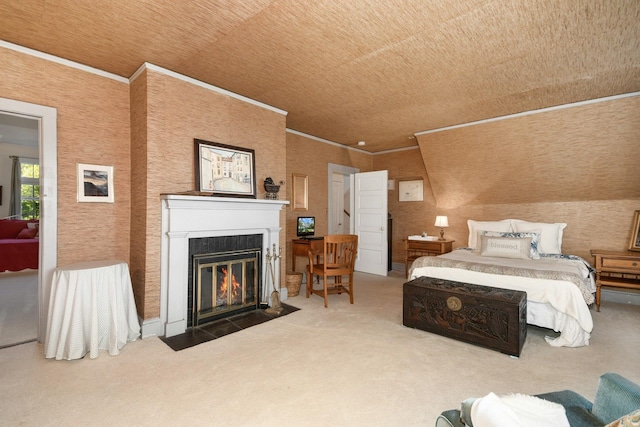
[(300, 192)]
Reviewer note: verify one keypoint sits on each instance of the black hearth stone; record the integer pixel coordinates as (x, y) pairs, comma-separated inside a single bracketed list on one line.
[(220, 328)]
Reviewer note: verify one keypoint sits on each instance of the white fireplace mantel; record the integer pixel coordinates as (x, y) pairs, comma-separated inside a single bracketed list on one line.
[(185, 217)]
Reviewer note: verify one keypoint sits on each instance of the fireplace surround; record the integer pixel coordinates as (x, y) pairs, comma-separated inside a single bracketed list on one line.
[(186, 217)]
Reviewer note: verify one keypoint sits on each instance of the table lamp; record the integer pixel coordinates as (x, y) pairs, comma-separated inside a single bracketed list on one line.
[(442, 221)]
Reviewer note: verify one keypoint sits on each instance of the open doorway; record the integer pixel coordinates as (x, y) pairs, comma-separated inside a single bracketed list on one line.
[(46, 118), (358, 205), (339, 203), (19, 153)]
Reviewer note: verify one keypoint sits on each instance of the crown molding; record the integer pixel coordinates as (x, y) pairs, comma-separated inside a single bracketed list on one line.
[(62, 61), (151, 67), (528, 113)]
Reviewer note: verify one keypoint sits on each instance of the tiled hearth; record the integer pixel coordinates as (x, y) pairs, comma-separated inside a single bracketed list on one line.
[(222, 327)]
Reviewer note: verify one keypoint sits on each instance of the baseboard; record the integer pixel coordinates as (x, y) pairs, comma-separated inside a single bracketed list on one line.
[(151, 327), (397, 266), (619, 296)]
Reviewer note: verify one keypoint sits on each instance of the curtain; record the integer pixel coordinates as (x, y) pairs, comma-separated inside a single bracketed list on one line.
[(15, 207)]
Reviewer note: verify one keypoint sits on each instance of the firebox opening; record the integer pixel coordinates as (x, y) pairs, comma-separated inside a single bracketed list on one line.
[(224, 277), (225, 283)]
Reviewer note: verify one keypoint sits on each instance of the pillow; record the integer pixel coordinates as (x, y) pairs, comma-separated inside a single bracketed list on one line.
[(550, 234), (9, 228), (27, 233), (475, 226), (505, 247), (629, 420), (534, 252), (517, 410)]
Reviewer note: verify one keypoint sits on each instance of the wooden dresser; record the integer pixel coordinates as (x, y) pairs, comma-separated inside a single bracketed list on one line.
[(616, 269), (416, 248)]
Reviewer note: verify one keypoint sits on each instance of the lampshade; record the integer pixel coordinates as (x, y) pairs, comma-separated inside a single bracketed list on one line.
[(442, 221)]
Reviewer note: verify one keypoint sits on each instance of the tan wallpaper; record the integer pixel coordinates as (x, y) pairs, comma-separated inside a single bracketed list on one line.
[(407, 217), (137, 265), (93, 128), (310, 157), (576, 165), (178, 112)]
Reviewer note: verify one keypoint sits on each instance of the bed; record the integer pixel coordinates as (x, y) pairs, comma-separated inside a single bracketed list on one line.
[(524, 256), (19, 245)]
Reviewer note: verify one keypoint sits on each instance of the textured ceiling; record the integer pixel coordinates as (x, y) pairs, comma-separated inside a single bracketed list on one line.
[(346, 71)]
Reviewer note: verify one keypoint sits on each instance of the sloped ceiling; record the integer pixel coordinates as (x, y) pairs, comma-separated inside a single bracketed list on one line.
[(356, 70)]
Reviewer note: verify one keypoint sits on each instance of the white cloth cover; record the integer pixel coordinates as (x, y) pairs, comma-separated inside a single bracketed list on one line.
[(91, 308), (517, 410)]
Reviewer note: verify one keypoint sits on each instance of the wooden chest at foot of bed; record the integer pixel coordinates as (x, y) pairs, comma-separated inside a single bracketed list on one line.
[(490, 317)]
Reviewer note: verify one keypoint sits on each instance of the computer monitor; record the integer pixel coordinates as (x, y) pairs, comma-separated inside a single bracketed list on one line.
[(306, 226)]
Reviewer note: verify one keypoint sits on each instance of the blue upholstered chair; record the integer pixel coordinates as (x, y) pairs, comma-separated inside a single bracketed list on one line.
[(615, 397)]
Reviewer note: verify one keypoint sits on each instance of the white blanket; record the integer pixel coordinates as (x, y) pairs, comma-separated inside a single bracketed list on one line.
[(517, 410), (554, 304)]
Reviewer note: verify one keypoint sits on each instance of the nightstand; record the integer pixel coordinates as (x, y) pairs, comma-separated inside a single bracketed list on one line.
[(416, 248), (616, 269)]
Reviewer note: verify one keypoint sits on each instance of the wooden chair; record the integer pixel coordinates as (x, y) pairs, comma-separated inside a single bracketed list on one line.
[(338, 260)]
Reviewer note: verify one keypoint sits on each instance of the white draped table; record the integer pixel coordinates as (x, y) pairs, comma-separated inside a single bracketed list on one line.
[(91, 308)]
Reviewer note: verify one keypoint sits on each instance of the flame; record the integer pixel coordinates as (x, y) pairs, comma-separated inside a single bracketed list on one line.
[(236, 287), (222, 289)]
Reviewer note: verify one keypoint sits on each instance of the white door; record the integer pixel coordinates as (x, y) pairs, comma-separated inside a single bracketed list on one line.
[(336, 220), (370, 221)]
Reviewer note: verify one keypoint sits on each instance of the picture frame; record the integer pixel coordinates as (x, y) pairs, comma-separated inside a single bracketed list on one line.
[(300, 192), (634, 244), (95, 183), (411, 191), (224, 170)]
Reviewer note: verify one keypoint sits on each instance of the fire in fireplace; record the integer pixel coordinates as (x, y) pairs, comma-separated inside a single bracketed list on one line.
[(224, 277)]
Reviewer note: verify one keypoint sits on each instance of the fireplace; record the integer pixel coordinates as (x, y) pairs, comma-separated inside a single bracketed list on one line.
[(185, 218), (224, 277)]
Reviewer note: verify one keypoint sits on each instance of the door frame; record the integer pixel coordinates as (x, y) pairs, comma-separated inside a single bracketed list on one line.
[(48, 154), (345, 171)]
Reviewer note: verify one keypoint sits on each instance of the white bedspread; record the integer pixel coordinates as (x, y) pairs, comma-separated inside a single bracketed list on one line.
[(554, 304)]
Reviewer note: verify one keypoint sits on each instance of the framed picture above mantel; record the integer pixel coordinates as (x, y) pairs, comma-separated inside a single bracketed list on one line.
[(224, 170)]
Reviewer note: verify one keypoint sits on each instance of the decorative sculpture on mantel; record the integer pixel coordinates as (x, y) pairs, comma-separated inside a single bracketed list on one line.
[(272, 188)]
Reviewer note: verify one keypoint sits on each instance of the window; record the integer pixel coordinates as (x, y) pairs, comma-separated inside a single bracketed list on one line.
[(30, 188)]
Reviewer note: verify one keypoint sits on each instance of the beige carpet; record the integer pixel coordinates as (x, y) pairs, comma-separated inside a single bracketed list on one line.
[(348, 365), (18, 307)]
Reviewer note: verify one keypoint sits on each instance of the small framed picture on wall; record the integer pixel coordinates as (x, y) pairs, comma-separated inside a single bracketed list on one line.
[(411, 191), (95, 183)]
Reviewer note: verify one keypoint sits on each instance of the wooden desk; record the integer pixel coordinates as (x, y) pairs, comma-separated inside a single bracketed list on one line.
[(616, 269), (301, 247), (414, 249)]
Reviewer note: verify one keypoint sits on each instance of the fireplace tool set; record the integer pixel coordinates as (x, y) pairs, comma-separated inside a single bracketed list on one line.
[(276, 307)]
